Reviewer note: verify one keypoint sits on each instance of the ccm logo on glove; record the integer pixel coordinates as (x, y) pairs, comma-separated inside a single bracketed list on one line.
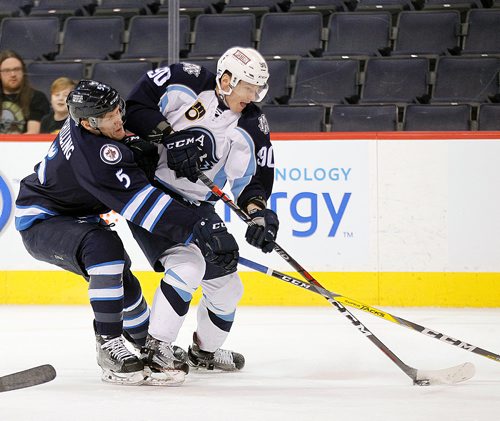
[(216, 244)]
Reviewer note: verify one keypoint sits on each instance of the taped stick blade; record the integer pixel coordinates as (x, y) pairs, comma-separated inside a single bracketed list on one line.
[(456, 374)]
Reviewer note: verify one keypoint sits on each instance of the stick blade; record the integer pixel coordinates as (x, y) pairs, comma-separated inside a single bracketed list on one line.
[(27, 378), (456, 374)]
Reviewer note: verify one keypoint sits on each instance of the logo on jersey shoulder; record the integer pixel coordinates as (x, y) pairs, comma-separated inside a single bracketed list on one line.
[(206, 143), (191, 69), (110, 154), (263, 124), (196, 111)]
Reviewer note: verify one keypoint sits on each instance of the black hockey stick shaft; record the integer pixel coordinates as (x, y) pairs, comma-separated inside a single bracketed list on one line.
[(243, 216), (27, 378), (372, 310), (409, 371)]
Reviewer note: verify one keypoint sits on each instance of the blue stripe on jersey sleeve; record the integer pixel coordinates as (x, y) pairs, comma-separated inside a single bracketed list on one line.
[(172, 88), (241, 183), (24, 222), (135, 204), (26, 216), (155, 212)]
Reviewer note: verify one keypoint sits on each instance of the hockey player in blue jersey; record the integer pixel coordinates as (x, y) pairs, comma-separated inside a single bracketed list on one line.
[(87, 171), (210, 123)]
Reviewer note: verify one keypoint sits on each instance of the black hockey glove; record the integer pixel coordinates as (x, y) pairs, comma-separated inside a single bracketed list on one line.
[(183, 154), (145, 155), (216, 244), (262, 234)]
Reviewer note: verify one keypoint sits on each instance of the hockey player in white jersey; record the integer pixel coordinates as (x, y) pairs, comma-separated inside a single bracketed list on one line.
[(205, 122)]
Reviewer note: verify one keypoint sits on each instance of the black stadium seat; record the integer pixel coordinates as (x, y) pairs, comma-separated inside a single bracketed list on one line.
[(42, 74), (364, 118), (279, 79), (148, 36), (325, 81), (214, 34), (290, 34), (483, 32), (420, 32), (489, 117), (395, 80), (31, 37), (121, 75), (466, 79), (92, 38), (437, 117), (358, 33), (291, 118)]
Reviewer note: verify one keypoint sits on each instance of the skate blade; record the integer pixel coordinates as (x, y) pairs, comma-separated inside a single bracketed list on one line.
[(127, 379), (214, 369), (164, 378)]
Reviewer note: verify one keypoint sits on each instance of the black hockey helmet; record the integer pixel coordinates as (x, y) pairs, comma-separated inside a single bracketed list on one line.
[(91, 99)]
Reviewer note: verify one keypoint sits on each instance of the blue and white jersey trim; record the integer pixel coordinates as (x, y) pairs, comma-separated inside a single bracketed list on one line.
[(134, 305), (135, 321), (241, 183), (108, 268), (134, 205), (156, 211), (104, 294), (25, 216)]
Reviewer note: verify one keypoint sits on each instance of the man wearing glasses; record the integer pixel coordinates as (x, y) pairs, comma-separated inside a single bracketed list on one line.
[(22, 107)]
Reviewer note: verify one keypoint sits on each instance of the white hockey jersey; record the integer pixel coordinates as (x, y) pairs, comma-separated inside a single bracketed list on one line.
[(236, 147)]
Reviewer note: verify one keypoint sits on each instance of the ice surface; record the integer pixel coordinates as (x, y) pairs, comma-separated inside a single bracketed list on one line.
[(302, 364)]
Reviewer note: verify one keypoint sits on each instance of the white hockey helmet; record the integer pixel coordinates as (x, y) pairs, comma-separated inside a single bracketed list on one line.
[(244, 64)]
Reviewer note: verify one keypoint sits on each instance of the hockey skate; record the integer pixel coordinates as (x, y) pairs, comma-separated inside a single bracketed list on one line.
[(220, 360), (165, 364), (119, 365)]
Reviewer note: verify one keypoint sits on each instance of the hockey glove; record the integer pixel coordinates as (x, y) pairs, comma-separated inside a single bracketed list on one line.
[(216, 244), (262, 234), (183, 154), (145, 155)]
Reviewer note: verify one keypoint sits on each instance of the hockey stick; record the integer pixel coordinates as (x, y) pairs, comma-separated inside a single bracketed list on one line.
[(27, 378), (420, 377), (372, 310)]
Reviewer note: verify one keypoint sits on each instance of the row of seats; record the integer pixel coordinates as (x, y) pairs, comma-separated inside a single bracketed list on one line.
[(129, 8), (300, 118), (324, 80), (280, 34), (367, 118)]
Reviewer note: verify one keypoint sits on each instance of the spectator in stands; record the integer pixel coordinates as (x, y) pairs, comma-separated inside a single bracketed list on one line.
[(21, 106), (59, 91)]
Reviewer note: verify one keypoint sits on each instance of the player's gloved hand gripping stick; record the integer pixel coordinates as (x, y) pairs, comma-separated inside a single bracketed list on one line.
[(455, 374)]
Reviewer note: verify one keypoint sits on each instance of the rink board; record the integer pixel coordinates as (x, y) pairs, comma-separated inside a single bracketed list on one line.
[(403, 219), (378, 289)]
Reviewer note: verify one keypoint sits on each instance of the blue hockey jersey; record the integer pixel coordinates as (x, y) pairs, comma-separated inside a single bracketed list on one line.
[(84, 175)]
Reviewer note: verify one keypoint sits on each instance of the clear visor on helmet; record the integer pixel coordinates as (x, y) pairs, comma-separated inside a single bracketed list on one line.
[(111, 117), (249, 91)]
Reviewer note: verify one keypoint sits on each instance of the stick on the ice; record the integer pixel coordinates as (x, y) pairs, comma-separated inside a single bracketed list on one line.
[(420, 377), (373, 311), (27, 378)]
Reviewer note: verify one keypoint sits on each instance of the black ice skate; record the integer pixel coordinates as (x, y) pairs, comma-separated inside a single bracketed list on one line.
[(119, 365), (221, 359), (165, 364)]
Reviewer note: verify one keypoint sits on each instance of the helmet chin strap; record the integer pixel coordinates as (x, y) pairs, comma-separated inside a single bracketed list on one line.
[(222, 94)]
